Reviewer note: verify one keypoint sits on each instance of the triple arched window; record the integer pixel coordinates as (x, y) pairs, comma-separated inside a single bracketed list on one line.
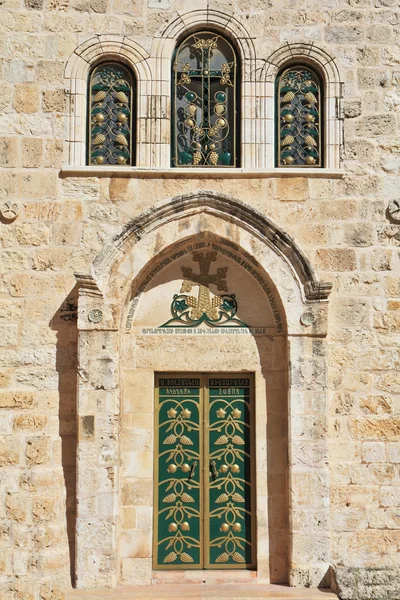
[(205, 120)]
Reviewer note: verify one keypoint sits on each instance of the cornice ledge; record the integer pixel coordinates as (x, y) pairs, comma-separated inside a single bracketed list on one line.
[(317, 290), (87, 285)]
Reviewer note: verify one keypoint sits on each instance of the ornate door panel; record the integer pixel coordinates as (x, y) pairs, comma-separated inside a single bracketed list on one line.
[(178, 474), (204, 504), (230, 498)]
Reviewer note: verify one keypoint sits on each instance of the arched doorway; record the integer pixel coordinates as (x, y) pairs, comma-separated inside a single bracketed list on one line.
[(123, 304), (226, 334)]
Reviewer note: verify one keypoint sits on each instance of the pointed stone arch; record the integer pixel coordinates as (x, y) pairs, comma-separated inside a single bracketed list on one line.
[(102, 310)]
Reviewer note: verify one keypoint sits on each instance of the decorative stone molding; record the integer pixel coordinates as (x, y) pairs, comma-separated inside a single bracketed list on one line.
[(85, 57), (227, 208), (325, 64)]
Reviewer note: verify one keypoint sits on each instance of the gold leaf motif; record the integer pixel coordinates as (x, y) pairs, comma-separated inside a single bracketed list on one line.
[(237, 497), (236, 439), (187, 497), (221, 440), (170, 498), (238, 557), (170, 557), (186, 558), (186, 440), (170, 439), (224, 557), (222, 498)]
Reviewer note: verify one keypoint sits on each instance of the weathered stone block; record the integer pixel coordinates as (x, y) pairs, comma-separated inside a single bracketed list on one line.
[(54, 100), (43, 508), (8, 335), (17, 399), (30, 422), (38, 450), (26, 97), (358, 234), (9, 451), (17, 507), (336, 259), (372, 452), (32, 152), (375, 428), (291, 190), (51, 259), (8, 152), (375, 125)]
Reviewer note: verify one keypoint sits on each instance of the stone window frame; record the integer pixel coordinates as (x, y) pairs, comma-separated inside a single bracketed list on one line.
[(152, 70), (309, 55), (95, 51)]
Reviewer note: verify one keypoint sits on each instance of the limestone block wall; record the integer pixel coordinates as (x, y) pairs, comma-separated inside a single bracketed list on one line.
[(57, 221)]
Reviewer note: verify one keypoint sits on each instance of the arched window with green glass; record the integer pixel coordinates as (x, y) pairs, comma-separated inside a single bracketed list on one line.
[(205, 80), (111, 121), (299, 118)]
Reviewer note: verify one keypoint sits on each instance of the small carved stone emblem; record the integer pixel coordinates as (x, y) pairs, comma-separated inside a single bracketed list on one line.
[(95, 315), (9, 211), (307, 318), (394, 210)]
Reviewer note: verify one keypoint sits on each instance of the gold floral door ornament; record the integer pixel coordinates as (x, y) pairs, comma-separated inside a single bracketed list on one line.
[(204, 472)]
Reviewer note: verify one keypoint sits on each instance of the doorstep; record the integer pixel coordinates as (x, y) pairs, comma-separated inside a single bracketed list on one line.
[(253, 591)]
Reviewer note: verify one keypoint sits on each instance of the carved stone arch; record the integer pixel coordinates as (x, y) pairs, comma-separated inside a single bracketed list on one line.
[(226, 208), (86, 56), (326, 65), (103, 294), (254, 134)]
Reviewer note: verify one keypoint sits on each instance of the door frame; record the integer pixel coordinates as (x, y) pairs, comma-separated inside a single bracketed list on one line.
[(204, 401)]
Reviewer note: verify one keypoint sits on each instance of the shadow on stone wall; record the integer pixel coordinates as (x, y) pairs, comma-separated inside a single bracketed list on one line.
[(65, 323)]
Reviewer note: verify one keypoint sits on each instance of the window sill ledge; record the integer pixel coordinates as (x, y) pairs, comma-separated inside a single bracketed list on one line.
[(196, 173)]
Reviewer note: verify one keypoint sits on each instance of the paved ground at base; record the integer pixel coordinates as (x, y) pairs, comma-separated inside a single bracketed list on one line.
[(208, 592)]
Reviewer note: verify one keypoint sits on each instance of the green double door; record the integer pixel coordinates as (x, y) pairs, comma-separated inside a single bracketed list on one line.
[(204, 494)]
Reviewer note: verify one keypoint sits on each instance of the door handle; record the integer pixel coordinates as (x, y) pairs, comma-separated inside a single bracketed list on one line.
[(213, 470), (192, 470)]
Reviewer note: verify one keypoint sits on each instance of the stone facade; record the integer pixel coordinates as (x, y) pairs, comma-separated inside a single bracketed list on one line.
[(76, 477)]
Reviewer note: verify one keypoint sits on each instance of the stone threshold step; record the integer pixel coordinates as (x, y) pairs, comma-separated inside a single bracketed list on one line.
[(252, 591)]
